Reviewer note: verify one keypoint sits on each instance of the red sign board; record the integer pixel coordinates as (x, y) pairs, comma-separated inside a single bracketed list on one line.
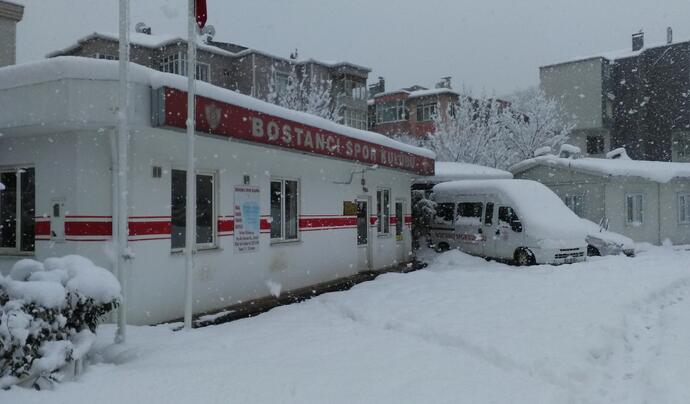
[(232, 121)]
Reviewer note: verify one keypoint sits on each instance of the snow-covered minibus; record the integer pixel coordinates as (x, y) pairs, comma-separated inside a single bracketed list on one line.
[(513, 220)]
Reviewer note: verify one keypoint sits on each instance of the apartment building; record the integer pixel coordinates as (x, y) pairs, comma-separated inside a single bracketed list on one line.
[(10, 15), (238, 68), (636, 98), (408, 111)]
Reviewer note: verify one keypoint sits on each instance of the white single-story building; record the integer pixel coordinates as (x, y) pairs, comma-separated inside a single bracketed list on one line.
[(648, 201), (284, 198)]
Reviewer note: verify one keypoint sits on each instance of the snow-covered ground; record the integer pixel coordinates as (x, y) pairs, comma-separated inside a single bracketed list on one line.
[(611, 330)]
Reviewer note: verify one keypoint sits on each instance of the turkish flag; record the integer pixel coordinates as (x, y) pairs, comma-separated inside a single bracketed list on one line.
[(201, 13)]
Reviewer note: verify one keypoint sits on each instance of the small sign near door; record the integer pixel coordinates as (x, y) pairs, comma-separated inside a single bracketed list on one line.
[(247, 218), (349, 208)]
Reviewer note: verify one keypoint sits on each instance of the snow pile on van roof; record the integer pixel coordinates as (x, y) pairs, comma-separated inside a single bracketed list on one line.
[(658, 171), (451, 171), (541, 211), (71, 67)]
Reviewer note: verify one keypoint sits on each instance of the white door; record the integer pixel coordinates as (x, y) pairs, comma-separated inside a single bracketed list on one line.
[(400, 242), (364, 239)]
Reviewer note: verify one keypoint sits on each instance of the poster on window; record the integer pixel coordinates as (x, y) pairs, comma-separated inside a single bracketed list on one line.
[(247, 219)]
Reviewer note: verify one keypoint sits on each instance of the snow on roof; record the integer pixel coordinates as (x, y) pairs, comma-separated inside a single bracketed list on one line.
[(139, 39), (543, 213), (72, 67), (616, 54), (451, 171), (658, 171), (419, 93), (158, 41), (433, 91)]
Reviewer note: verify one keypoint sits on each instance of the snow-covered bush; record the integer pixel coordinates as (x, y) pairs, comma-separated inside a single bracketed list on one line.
[(423, 211), (48, 315)]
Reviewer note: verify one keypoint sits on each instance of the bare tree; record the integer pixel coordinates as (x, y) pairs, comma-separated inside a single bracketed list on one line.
[(539, 122)]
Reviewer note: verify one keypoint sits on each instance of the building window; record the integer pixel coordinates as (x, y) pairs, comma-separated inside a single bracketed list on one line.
[(383, 211), (171, 64), (17, 210), (390, 111), (284, 210), (681, 147), (205, 210), (684, 208), (595, 144), (355, 119), (634, 209), (177, 64), (355, 89), (105, 56), (576, 203), (426, 112)]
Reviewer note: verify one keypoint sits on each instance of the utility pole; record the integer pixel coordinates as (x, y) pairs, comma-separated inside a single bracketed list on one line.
[(190, 219), (120, 212)]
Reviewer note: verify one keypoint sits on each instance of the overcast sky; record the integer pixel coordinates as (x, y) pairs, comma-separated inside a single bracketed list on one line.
[(490, 46)]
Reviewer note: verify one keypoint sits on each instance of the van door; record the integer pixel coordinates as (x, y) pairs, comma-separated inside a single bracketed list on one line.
[(509, 233), (469, 227)]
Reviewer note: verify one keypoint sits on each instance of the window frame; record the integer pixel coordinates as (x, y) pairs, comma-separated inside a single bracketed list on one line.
[(641, 205), (426, 111), (684, 207), (214, 222), (104, 56), (570, 201), (397, 105), (176, 63), (383, 213), (298, 209), (355, 118), (17, 249)]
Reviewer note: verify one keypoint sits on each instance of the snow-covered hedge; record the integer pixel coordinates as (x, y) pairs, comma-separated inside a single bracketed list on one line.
[(48, 315)]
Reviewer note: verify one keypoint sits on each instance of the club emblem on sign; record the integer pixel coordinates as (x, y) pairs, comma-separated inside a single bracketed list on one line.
[(213, 114)]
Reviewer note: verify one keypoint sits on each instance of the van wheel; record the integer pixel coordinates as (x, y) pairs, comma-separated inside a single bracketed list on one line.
[(524, 257), (441, 247)]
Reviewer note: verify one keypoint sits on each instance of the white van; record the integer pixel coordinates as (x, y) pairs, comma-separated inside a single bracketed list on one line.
[(515, 220)]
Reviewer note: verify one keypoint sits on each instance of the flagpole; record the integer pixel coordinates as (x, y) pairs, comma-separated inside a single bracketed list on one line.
[(190, 234), (120, 216)]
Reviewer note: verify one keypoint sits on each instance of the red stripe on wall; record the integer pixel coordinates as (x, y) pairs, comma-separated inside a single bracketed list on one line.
[(334, 222), (226, 225), (149, 228), (88, 229), (42, 229)]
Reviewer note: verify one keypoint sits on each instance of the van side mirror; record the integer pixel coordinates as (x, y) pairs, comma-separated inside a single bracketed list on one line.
[(516, 226)]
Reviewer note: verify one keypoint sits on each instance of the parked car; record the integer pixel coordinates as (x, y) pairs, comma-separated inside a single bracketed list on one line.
[(601, 241), (515, 220)]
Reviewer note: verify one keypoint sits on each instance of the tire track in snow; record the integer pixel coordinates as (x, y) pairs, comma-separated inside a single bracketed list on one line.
[(492, 356), (625, 375)]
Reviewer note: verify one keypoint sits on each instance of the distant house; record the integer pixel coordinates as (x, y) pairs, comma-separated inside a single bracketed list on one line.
[(648, 201), (637, 98), (451, 171), (236, 67)]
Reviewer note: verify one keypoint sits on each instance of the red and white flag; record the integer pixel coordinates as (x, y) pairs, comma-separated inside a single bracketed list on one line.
[(201, 13)]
